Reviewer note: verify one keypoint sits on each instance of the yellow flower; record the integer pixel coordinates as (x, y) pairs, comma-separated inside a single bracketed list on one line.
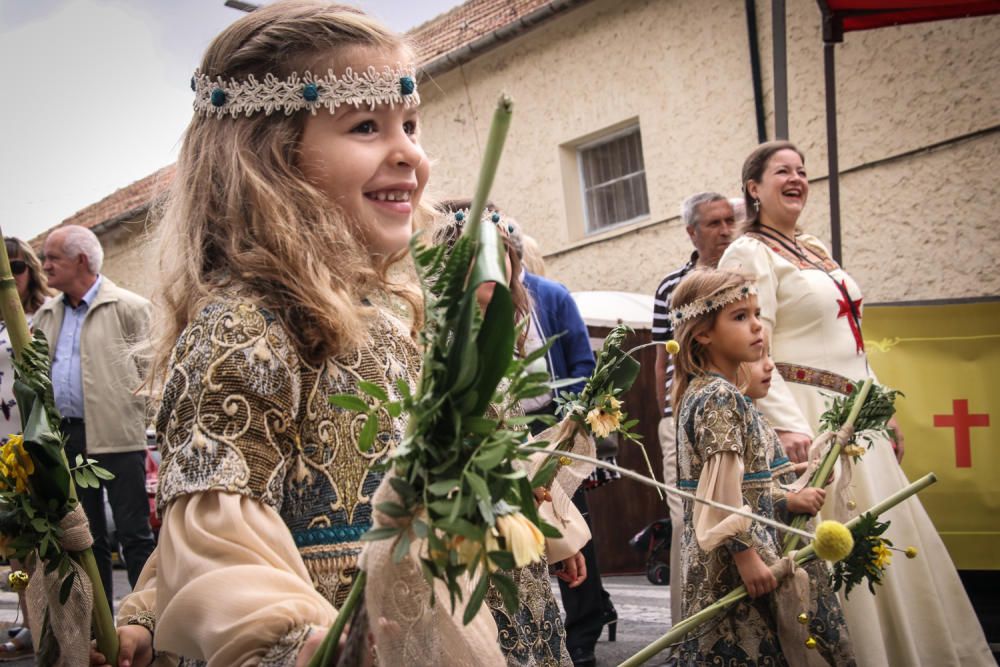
[(854, 450), (604, 422), (811, 642), (470, 551), (18, 580), (911, 552), (833, 541), (673, 347), (522, 537), (615, 404), (882, 555), (15, 462)]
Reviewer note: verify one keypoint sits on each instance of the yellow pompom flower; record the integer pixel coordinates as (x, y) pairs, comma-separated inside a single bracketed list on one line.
[(811, 642), (15, 462), (882, 555), (911, 552), (833, 541), (673, 347), (522, 537)]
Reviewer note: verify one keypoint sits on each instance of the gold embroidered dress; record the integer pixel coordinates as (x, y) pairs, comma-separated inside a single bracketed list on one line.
[(921, 614), (826, 619), (263, 491), (533, 635), (721, 455)]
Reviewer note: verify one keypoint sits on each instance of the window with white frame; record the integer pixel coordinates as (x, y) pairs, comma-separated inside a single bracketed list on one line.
[(614, 180)]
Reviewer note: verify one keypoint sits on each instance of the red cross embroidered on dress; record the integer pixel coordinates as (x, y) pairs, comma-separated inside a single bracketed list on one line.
[(846, 311)]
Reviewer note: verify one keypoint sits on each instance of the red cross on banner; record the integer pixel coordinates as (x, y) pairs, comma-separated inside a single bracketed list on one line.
[(852, 310), (961, 421)]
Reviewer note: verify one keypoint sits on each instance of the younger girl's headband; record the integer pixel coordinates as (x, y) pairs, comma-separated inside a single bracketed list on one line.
[(448, 226), (714, 301), (372, 87)]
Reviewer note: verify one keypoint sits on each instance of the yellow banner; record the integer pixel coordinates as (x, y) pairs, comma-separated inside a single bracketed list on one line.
[(946, 359)]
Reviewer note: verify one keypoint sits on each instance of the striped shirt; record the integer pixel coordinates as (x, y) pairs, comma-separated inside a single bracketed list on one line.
[(662, 330)]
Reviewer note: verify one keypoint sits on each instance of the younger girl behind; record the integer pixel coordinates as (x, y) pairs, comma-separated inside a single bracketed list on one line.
[(826, 623)]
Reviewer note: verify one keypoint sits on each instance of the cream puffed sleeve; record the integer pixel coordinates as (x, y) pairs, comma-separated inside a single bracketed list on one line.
[(139, 606), (750, 256), (231, 587)]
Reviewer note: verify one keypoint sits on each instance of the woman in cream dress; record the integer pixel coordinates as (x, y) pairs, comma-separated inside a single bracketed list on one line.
[(921, 614)]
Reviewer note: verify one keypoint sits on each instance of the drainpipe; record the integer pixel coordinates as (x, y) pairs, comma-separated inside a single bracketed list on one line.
[(778, 34), (833, 33), (758, 87)]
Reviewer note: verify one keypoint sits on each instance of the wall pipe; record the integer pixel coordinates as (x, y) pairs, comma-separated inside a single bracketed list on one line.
[(758, 87)]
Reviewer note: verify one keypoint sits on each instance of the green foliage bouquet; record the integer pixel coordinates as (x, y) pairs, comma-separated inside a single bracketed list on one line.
[(41, 521), (861, 415)]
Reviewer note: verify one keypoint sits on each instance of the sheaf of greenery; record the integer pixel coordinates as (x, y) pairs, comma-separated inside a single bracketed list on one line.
[(454, 470), (862, 564), (30, 516)]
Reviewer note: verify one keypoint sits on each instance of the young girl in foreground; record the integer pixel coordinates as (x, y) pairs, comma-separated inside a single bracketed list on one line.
[(293, 197), (723, 456)]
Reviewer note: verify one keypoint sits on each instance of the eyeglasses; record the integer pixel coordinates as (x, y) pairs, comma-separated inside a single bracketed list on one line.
[(18, 266)]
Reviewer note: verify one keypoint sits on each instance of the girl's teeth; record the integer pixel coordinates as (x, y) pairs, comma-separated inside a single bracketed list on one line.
[(391, 196)]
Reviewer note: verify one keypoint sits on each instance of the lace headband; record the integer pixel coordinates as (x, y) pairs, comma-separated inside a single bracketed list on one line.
[(372, 87), (707, 304), (448, 227)]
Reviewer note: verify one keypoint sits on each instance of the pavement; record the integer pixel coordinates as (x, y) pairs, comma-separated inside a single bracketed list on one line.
[(643, 616)]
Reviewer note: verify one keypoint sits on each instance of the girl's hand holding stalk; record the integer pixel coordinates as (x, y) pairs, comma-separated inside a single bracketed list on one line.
[(807, 501), (756, 576), (135, 648)]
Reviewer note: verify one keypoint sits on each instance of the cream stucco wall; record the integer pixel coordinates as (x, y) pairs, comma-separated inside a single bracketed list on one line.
[(127, 256), (681, 68)]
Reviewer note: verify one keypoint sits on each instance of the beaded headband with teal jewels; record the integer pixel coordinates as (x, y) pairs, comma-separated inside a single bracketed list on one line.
[(715, 301), (448, 226), (372, 87)]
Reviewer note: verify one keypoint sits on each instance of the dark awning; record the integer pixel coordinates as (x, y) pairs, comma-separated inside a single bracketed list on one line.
[(850, 15)]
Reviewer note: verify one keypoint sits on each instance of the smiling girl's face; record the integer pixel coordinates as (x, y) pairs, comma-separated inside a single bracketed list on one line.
[(369, 162)]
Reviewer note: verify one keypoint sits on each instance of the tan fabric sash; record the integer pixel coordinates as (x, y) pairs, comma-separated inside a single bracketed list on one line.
[(407, 628), (560, 511), (69, 622), (842, 495), (791, 599)]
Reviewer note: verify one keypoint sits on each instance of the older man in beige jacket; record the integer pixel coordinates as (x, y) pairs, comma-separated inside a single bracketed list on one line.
[(91, 329)]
